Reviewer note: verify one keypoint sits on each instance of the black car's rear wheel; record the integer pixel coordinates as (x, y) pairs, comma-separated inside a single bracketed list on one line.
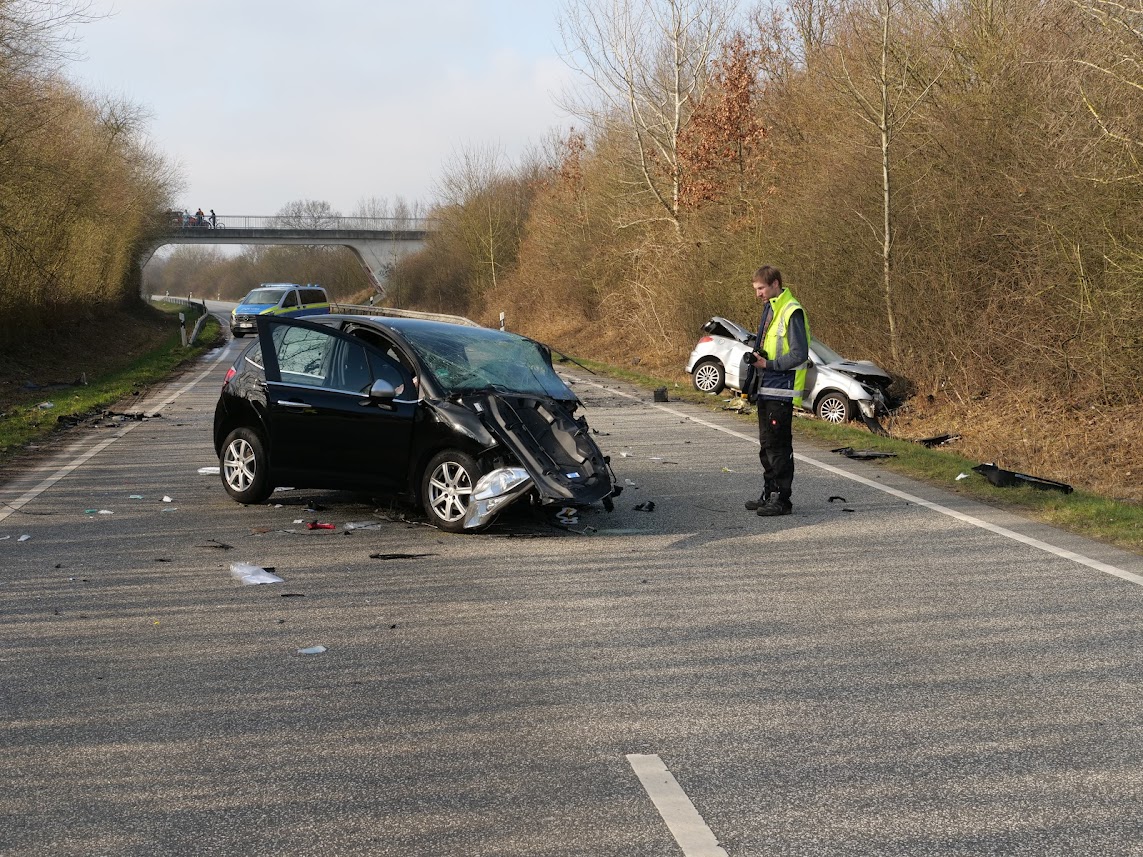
[(446, 488), (708, 376), (245, 467)]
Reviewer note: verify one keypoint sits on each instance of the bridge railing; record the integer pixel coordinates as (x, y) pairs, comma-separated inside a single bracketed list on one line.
[(180, 220)]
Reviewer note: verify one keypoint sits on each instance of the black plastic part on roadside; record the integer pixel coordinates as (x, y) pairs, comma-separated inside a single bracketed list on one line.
[(862, 454), (1011, 479)]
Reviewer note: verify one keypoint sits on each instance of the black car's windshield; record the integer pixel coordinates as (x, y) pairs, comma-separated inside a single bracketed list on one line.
[(263, 296), (466, 359)]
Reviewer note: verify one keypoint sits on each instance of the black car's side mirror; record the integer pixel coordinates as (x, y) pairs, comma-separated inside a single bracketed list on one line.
[(382, 390)]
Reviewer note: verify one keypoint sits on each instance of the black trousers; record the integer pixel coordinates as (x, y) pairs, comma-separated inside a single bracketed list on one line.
[(776, 436)]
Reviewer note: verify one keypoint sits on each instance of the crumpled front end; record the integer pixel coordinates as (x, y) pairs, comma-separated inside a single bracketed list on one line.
[(550, 445)]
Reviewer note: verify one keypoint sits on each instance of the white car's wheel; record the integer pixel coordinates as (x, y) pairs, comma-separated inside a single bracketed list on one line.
[(708, 376), (834, 407)]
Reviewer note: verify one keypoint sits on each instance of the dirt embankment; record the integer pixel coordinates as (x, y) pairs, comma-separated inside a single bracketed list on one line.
[(97, 345)]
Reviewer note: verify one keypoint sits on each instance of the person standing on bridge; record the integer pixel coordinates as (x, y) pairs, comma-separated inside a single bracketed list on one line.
[(199, 218), (213, 220), (776, 382)]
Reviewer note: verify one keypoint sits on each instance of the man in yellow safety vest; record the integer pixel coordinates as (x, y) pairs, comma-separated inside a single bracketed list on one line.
[(776, 382)]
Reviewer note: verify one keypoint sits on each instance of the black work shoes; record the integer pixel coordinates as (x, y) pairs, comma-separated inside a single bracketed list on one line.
[(773, 507), (751, 505)]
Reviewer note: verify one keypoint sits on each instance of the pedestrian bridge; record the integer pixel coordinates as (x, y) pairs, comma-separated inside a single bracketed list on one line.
[(378, 242)]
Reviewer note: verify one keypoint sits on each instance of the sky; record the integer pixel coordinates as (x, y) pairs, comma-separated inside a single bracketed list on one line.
[(260, 103)]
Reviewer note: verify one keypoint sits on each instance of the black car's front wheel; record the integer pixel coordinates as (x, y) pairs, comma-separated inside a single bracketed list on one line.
[(446, 488), (245, 467)]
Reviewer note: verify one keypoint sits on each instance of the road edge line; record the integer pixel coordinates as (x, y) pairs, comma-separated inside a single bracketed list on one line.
[(1062, 553)]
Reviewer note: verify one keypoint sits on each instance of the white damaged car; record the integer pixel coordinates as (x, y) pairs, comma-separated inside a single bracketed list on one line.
[(837, 389)]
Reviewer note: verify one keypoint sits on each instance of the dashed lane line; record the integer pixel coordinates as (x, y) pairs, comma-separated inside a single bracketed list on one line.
[(683, 820), (1063, 553), (58, 474)]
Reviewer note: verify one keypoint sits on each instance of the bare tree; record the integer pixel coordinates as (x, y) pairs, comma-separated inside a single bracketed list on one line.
[(37, 36), (309, 214), (645, 61), (887, 91)]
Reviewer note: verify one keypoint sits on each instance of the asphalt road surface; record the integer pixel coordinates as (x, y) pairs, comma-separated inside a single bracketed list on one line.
[(918, 676)]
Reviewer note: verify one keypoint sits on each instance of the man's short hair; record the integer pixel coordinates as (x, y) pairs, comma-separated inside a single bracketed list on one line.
[(768, 274)]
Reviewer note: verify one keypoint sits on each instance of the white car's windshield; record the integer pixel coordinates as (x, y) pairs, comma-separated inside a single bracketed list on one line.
[(468, 359), (827, 354)]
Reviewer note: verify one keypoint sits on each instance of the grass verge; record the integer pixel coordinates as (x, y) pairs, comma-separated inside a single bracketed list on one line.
[(1082, 512), (24, 423)]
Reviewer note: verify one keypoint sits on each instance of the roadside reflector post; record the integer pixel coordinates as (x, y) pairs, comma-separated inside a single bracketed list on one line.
[(502, 317)]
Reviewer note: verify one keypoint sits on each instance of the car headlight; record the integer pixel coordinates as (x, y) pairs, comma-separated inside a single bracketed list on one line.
[(493, 491)]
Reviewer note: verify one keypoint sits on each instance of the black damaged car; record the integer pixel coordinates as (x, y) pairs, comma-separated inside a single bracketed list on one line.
[(462, 420)]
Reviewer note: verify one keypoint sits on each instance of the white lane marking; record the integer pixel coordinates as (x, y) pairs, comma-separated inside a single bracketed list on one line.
[(1063, 553), (32, 494), (683, 820)]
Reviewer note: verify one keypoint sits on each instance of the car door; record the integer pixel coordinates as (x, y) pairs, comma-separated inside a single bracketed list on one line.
[(325, 429)]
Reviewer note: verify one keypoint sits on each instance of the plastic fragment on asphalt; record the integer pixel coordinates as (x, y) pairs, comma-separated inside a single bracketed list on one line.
[(23, 538), (317, 525), (399, 555), (838, 498), (46, 406), (648, 506), (217, 545), (567, 515), (961, 476), (169, 509), (208, 471), (4, 538), (630, 484), (312, 650), (252, 575), (727, 470), (167, 499), (625, 455), (293, 595), (848, 510), (90, 511), (134, 496), (106, 512), (362, 525), (311, 506)]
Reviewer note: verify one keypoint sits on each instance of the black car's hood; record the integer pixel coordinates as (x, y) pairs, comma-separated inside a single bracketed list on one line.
[(553, 446)]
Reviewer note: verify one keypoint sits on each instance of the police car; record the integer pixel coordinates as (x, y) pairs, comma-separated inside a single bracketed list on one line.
[(287, 299)]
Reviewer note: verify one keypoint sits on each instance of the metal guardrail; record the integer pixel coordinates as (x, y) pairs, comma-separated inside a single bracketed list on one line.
[(203, 313), (180, 220), (355, 309)]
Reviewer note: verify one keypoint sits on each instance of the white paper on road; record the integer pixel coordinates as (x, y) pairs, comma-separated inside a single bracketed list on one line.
[(252, 575)]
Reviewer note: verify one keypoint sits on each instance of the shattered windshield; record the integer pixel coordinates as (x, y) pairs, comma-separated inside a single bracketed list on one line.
[(263, 296), (469, 359)]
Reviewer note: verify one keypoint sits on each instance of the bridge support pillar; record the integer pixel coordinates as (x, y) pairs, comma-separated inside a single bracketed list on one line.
[(378, 258)]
